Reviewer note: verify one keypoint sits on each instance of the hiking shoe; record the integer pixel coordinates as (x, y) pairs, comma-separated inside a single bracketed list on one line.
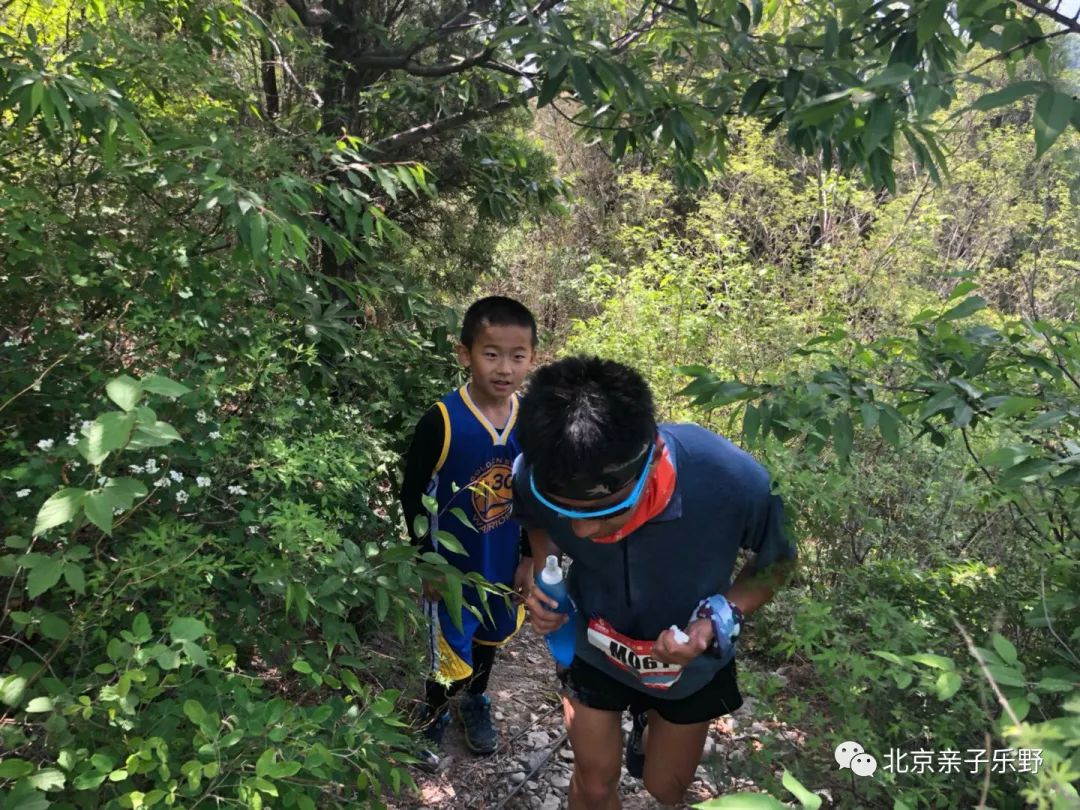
[(430, 754), (474, 712), (635, 745)]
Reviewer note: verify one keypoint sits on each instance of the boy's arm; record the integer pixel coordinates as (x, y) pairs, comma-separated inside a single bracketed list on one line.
[(420, 461)]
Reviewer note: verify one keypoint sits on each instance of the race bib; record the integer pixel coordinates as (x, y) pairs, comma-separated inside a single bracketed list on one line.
[(632, 655)]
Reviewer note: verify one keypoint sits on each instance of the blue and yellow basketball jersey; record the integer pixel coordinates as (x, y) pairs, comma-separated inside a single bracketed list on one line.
[(474, 473)]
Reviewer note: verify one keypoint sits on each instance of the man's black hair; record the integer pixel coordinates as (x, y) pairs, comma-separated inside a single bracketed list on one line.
[(582, 414), (496, 310)]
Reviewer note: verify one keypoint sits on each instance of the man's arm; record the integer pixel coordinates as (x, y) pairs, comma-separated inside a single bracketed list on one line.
[(752, 588)]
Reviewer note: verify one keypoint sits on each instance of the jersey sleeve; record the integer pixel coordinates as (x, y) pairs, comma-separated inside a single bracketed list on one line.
[(420, 462)]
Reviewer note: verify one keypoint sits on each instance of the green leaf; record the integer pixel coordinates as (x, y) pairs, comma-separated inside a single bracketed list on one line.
[(124, 391), (265, 762), (842, 436), (893, 74), (1006, 675), (459, 513), (187, 628), (930, 19), (158, 434), (59, 509), (302, 666), (751, 99), (53, 627), (382, 603), (194, 711), (824, 108), (948, 684), (39, 705), (932, 660), (964, 308), (45, 573), (1004, 648), (420, 525), (116, 430), (99, 510), (75, 578), (1007, 95), (449, 542), (156, 384), (809, 800), (140, 628), (47, 779), (15, 768), (12, 689), (1052, 112)]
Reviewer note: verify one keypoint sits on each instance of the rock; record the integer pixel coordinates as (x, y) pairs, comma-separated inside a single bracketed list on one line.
[(500, 716), (535, 802), (517, 777), (560, 782), (532, 785), (567, 754), (538, 739), (551, 803)]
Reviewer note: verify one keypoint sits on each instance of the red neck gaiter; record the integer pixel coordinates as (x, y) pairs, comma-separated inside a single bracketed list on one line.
[(654, 500)]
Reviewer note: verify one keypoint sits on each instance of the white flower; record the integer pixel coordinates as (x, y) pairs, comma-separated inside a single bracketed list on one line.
[(46, 444), (217, 402), (14, 341), (176, 476), (163, 482), (22, 493), (118, 511), (243, 330), (181, 497), (151, 466), (134, 469), (234, 489), (102, 480), (85, 424), (201, 417), (214, 434), (85, 336), (252, 529), (72, 439), (185, 293), (300, 401), (202, 481), (219, 358), (75, 465)]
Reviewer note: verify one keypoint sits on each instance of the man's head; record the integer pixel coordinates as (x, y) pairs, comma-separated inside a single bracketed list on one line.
[(498, 339), (587, 428)]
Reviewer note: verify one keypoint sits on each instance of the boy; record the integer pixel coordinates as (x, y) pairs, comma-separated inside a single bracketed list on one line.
[(461, 454), (653, 518)]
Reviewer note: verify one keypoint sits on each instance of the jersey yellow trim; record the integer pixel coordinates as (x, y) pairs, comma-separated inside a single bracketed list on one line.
[(513, 418), (446, 438), (483, 420), (451, 666), (505, 641)]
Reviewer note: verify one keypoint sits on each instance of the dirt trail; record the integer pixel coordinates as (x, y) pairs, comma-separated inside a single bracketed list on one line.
[(524, 696)]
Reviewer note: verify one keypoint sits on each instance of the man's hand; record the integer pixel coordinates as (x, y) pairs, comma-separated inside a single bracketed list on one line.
[(523, 578), (541, 611), (670, 651)]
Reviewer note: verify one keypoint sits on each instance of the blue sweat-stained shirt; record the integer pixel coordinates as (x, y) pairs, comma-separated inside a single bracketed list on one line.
[(638, 587)]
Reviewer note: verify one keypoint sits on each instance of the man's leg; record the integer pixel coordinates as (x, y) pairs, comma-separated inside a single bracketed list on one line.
[(596, 736), (672, 755)]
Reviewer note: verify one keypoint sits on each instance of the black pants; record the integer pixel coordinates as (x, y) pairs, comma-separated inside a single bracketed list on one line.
[(483, 656)]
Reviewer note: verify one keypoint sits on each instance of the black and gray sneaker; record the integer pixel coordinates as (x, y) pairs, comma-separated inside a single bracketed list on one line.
[(474, 712), (430, 754), (635, 745)]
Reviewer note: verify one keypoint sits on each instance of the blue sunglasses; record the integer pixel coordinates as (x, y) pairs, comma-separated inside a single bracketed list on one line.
[(628, 503)]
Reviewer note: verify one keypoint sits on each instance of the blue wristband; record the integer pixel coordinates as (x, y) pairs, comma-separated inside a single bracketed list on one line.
[(727, 621)]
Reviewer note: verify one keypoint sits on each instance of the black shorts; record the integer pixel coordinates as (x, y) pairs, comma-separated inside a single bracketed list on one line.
[(596, 689)]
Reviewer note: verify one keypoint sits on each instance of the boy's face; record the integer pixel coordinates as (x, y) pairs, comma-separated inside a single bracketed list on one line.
[(499, 359)]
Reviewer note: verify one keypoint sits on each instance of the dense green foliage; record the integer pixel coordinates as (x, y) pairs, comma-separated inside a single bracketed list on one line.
[(231, 238)]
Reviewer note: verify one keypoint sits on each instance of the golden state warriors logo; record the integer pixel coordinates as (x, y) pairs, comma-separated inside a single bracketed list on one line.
[(492, 495)]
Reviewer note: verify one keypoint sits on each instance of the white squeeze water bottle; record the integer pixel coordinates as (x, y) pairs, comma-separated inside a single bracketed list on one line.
[(560, 642)]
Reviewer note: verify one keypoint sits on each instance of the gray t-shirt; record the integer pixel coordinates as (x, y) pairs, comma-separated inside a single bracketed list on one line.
[(632, 590)]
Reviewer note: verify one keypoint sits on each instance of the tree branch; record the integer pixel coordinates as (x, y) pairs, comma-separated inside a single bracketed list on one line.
[(1072, 24), (409, 137)]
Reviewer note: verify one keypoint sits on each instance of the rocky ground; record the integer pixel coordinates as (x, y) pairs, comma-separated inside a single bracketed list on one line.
[(531, 770)]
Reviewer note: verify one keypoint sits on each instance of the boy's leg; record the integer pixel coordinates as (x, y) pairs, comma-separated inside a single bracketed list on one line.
[(474, 708), (596, 736), (672, 755)]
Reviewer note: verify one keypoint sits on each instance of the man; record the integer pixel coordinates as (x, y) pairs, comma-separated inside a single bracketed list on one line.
[(653, 518)]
